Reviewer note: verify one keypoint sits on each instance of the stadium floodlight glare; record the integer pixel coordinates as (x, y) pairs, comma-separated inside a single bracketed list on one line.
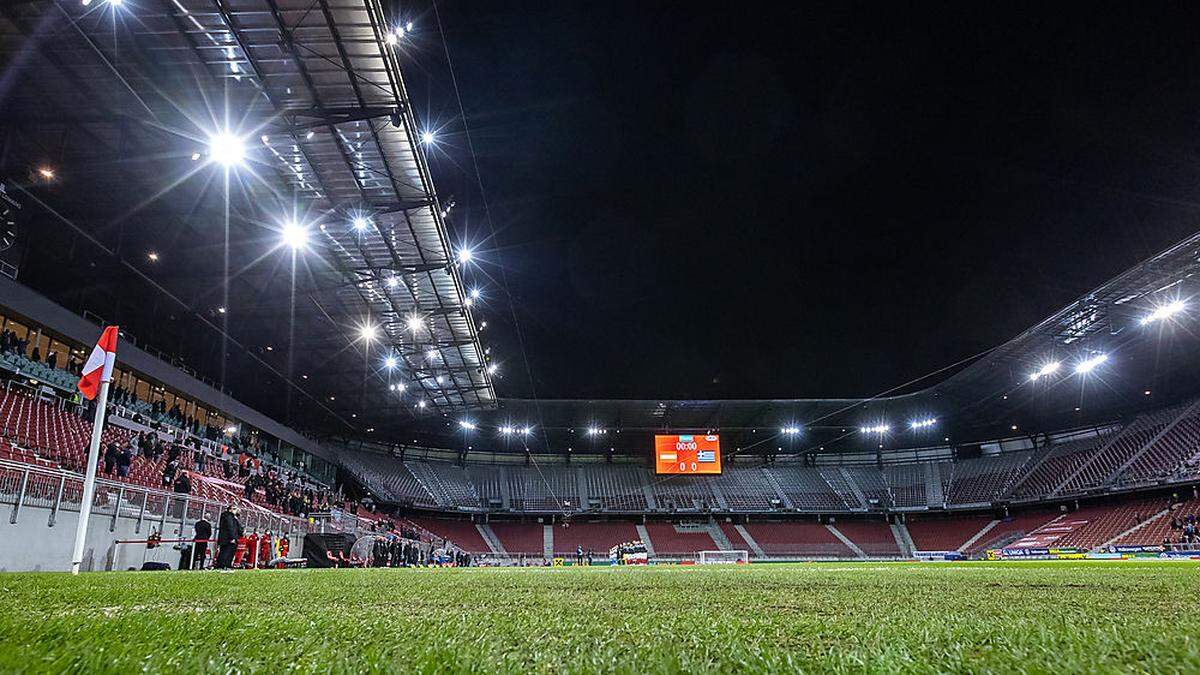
[(525, 431), (427, 137), (421, 404), (1164, 312), (431, 354), (390, 362), (391, 39), (1089, 364), (922, 423), (414, 323), (790, 431), (492, 368), (294, 235), (876, 429), (475, 293), (1048, 369), (227, 149), (467, 424), (408, 26), (464, 255), (360, 223), (368, 332), (391, 282)]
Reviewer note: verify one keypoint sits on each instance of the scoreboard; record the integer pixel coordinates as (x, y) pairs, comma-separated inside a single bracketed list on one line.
[(690, 454)]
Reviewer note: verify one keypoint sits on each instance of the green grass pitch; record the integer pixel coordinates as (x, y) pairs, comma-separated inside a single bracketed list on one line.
[(904, 617)]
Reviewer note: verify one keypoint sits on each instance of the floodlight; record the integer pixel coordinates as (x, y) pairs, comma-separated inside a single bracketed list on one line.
[(1089, 364), (414, 323), (877, 429), (421, 404), (525, 431), (390, 38), (475, 293), (116, 3), (400, 386), (1048, 369), (506, 430), (390, 362), (408, 26), (464, 255), (367, 332), (294, 235), (1164, 312), (790, 431), (492, 368), (195, 156), (227, 149), (153, 256), (392, 282), (220, 310), (467, 424), (922, 423), (360, 223), (46, 172), (427, 138)]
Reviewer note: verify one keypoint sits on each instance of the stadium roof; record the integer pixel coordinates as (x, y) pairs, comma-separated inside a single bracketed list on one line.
[(1148, 361), (124, 127)]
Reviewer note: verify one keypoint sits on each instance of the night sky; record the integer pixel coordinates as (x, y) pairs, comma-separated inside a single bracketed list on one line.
[(770, 201)]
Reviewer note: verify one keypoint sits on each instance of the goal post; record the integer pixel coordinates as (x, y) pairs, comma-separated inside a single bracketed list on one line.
[(724, 557)]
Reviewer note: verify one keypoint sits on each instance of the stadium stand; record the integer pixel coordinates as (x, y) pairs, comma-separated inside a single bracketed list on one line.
[(517, 538), (797, 539), (945, 534), (596, 537), (873, 537), (668, 539), (462, 533)]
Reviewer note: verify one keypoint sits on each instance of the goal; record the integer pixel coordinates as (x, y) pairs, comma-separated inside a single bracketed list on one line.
[(724, 557)]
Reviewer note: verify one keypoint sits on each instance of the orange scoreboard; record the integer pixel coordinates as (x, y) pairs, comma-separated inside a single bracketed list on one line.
[(699, 453)]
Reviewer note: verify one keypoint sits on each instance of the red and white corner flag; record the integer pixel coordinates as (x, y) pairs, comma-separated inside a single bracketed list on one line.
[(99, 365)]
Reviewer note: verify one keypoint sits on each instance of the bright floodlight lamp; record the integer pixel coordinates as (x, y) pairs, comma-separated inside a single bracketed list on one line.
[(414, 323), (464, 255), (294, 235), (922, 423), (408, 26), (506, 430), (368, 332), (790, 431), (467, 424), (492, 368), (391, 38), (1089, 364), (227, 149), (1048, 369), (360, 223), (475, 293), (392, 282), (427, 137), (1164, 312), (390, 362), (877, 429)]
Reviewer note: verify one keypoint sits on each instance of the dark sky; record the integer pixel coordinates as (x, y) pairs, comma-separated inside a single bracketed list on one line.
[(777, 201)]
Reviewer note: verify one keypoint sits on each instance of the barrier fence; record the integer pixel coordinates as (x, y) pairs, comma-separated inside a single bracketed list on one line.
[(25, 487)]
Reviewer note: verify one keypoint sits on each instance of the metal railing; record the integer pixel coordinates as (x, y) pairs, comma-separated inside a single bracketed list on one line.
[(30, 491)]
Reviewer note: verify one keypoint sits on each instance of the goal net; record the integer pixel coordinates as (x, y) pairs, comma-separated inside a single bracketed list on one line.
[(723, 557)]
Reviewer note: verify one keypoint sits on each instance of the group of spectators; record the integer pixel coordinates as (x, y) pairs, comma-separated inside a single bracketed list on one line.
[(1185, 532), (10, 343)]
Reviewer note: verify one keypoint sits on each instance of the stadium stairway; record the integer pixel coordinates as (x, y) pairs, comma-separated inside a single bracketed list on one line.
[(490, 537), (548, 542), (903, 539), (718, 536), (966, 545), (1145, 525), (846, 540), (644, 536), (750, 541)]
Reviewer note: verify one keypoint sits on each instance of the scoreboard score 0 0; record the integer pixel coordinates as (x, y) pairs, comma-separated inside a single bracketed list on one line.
[(699, 453)]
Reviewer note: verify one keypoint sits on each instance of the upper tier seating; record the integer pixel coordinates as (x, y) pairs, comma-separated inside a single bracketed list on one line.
[(984, 480)]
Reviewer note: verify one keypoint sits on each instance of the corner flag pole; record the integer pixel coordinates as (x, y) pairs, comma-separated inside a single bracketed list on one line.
[(99, 367)]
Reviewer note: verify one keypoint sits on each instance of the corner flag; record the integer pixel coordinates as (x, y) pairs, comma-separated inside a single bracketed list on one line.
[(99, 365)]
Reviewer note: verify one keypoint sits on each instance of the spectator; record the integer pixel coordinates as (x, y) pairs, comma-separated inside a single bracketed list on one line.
[(124, 461), (111, 455), (36, 356), (183, 484), (52, 359), (228, 532)]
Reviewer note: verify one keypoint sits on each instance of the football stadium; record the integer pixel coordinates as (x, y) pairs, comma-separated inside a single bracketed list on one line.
[(377, 336)]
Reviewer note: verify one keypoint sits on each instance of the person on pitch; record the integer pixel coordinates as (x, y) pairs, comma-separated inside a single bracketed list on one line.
[(229, 531)]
